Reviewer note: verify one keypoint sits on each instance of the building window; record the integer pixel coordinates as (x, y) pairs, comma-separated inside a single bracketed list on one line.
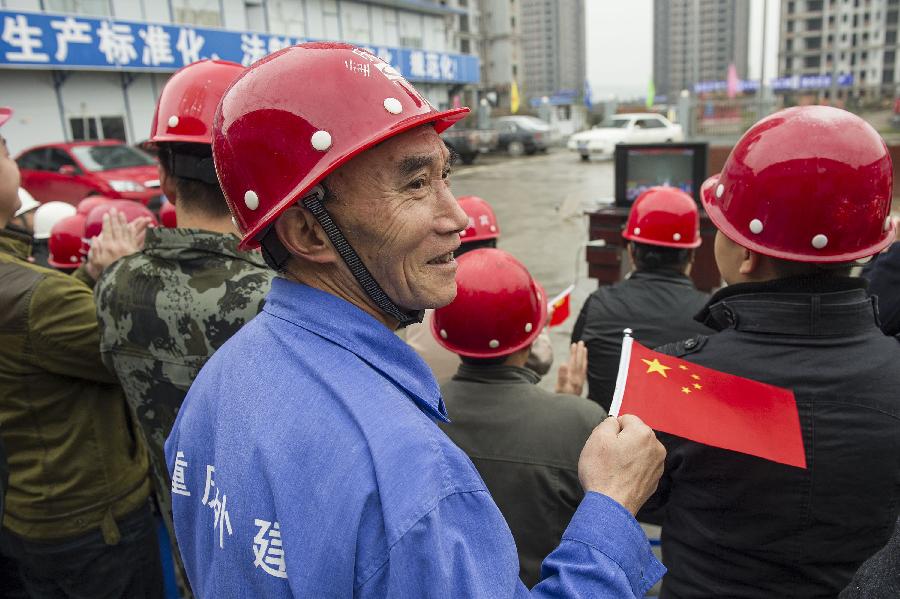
[(197, 12), (98, 8), (811, 62), (286, 18), (97, 127)]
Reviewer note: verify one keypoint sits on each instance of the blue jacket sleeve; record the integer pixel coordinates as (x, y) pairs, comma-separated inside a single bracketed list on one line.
[(463, 548)]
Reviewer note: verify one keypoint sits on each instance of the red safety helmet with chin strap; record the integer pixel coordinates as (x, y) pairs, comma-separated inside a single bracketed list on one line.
[(132, 210), (499, 308), (297, 115), (808, 184), (664, 216), (482, 220), (67, 244), (187, 104)]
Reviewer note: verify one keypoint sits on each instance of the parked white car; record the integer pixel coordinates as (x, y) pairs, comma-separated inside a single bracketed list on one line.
[(638, 128)]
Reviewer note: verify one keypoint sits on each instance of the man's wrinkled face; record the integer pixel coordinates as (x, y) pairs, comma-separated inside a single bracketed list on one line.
[(394, 205), (9, 183)]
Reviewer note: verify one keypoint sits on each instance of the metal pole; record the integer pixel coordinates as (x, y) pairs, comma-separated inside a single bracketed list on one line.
[(696, 66), (762, 61)]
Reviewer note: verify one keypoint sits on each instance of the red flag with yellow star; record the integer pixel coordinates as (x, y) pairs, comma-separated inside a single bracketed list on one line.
[(708, 406)]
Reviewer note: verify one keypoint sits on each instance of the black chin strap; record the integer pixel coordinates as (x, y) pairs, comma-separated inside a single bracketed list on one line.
[(313, 203)]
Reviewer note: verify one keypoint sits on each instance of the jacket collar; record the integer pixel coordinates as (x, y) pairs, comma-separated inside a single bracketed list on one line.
[(15, 242), (164, 243), (347, 325), (667, 275), (808, 305), (496, 374)]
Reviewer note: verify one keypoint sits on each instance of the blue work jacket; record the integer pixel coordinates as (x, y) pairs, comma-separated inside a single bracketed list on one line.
[(306, 462)]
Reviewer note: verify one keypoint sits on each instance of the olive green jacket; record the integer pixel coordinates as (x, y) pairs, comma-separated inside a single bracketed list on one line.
[(75, 459)]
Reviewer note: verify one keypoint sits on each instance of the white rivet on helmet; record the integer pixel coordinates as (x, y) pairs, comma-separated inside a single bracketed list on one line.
[(756, 226), (676, 237), (528, 327), (494, 344), (251, 200), (393, 105), (173, 121), (493, 229), (637, 230), (819, 241), (720, 189), (73, 259), (321, 140), (443, 334)]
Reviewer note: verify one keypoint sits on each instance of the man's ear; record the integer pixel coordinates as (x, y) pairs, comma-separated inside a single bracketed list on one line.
[(166, 184), (302, 235), (750, 264)]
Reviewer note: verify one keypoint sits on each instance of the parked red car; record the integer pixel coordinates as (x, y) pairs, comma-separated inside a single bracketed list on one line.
[(69, 172)]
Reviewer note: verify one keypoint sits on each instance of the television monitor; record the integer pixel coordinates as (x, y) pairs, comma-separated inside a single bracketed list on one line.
[(641, 166)]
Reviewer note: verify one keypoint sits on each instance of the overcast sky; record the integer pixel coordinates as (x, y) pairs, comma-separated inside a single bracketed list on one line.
[(620, 45)]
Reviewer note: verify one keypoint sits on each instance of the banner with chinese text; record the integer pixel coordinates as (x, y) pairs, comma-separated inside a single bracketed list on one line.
[(44, 40)]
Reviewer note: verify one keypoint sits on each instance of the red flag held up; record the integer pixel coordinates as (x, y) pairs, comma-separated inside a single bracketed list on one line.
[(560, 307), (708, 406)]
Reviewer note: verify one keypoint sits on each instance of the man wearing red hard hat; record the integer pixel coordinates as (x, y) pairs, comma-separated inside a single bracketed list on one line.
[(525, 441), (804, 195), (77, 521), (165, 310), (658, 300), (482, 231), (305, 459)]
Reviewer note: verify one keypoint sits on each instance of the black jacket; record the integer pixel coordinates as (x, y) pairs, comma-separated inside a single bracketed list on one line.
[(879, 577), (738, 526), (657, 306), (525, 443), (883, 274)]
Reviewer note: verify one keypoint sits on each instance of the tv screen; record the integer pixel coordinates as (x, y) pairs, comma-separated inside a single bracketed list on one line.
[(639, 167)]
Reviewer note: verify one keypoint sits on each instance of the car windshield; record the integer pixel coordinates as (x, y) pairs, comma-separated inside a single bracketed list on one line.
[(107, 158), (615, 123)]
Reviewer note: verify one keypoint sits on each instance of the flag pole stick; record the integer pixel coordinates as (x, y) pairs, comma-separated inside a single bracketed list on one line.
[(621, 379)]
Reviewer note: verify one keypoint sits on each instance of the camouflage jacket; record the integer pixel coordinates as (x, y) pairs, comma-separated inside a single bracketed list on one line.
[(164, 311)]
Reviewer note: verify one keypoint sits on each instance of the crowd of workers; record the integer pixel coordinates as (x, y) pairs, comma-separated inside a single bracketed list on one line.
[(323, 380)]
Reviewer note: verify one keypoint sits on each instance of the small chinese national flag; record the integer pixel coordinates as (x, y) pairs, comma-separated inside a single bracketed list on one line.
[(561, 307), (708, 406)]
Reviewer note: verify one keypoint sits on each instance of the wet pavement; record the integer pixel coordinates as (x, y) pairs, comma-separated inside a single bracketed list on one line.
[(539, 201)]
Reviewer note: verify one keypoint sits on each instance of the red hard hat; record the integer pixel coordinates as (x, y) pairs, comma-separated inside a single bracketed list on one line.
[(89, 203), (482, 220), (300, 113), (131, 210), (167, 215), (664, 216), (499, 309), (808, 184), (5, 114), (188, 102), (67, 244)]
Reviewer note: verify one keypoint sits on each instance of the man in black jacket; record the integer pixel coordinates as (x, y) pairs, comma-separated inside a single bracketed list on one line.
[(658, 301), (804, 194)]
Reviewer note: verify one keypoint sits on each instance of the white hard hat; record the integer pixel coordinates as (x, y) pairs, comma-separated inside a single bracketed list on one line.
[(27, 201), (48, 215)]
